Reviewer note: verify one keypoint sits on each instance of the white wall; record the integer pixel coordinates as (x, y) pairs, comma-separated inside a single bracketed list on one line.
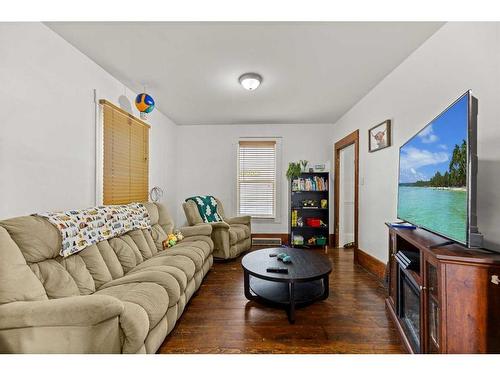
[(47, 126), (207, 162), (460, 56), (47, 130)]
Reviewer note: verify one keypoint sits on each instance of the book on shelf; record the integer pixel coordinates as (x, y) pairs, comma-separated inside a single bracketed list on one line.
[(315, 183)]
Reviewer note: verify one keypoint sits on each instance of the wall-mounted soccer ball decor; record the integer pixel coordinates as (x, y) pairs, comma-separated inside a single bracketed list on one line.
[(145, 104)]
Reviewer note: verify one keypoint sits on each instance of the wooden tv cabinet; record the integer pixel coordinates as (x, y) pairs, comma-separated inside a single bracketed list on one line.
[(451, 302)]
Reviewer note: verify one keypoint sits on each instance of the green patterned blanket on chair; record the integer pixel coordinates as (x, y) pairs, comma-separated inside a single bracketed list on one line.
[(207, 207)]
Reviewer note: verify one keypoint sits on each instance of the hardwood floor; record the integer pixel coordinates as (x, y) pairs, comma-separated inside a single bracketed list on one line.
[(219, 319)]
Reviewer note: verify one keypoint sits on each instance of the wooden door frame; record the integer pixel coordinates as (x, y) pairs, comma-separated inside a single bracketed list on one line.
[(351, 139)]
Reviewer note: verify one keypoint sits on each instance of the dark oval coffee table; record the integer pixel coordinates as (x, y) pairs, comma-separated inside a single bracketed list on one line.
[(305, 282)]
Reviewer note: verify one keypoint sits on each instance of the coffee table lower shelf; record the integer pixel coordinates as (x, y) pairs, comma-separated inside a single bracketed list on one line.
[(284, 294)]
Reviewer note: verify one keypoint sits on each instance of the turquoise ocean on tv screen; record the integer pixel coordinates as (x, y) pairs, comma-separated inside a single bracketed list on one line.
[(442, 211), (433, 172)]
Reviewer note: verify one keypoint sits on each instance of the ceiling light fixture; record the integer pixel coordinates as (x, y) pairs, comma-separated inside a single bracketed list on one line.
[(250, 81)]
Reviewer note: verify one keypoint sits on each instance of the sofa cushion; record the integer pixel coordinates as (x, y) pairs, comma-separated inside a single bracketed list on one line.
[(150, 241), (192, 214), (17, 281), (78, 271), (96, 265), (158, 235), (177, 273), (36, 237), (246, 230), (201, 247), (163, 279), (140, 241), (237, 233), (153, 212), (56, 281), (131, 243), (195, 254), (150, 296), (128, 255), (182, 263), (111, 259), (158, 214)]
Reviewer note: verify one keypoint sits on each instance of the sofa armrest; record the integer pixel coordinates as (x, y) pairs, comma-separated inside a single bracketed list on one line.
[(197, 230), (69, 311), (218, 225), (246, 220)]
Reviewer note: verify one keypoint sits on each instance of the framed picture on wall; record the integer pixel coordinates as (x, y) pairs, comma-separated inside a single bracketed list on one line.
[(379, 137)]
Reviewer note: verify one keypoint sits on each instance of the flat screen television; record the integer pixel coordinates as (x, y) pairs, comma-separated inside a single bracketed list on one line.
[(437, 174)]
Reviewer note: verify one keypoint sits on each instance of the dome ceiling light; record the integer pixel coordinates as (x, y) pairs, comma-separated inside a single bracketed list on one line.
[(250, 81)]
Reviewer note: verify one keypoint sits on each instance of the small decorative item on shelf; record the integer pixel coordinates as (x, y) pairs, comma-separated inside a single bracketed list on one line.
[(300, 222), (294, 218), (297, 239), (321, 240), (304, 165), (319, 168), (309, 203), (324, 203), (313, 222)]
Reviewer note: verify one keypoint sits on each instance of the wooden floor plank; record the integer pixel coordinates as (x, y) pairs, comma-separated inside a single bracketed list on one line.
[(219, 319)]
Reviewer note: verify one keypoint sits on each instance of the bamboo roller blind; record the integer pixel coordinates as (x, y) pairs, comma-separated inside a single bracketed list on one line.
[(126, 154)]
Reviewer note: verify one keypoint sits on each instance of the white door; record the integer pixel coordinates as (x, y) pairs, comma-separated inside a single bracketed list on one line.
[(346, 196)]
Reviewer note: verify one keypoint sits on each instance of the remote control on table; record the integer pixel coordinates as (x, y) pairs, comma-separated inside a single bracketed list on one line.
[(277, 269), (273, 255)]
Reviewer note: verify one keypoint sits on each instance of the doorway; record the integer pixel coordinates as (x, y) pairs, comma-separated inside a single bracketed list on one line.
[(346, 181)]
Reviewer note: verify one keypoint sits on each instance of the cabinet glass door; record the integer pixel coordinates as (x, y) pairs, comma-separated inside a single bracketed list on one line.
[(393, 271), (433, 311)]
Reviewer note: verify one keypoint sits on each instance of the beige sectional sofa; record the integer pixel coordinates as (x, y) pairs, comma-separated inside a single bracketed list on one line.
[(231, 237), (122, 295)]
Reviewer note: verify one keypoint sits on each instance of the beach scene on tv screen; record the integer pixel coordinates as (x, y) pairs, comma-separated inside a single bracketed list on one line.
[(433, 175)]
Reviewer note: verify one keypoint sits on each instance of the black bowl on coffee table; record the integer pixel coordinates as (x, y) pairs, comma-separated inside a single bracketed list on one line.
[(305, 282)]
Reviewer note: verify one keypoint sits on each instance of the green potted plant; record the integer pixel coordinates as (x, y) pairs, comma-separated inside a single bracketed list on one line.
[(293, 171)]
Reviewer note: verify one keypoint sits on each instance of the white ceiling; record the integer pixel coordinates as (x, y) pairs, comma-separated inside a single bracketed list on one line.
[(312, 72)]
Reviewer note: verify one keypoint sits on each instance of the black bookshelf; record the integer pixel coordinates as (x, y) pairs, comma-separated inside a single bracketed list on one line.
[(305, 200)]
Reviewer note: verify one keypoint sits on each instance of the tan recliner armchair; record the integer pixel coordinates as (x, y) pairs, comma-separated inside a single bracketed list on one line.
[(231, 237)]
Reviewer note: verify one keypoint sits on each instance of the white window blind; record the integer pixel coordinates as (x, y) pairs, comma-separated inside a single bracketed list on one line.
[(257, 178)]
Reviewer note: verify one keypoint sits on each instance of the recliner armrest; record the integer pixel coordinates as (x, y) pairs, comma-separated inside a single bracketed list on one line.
[(246, 220), (219, 225), (68, 311), (197, 230)]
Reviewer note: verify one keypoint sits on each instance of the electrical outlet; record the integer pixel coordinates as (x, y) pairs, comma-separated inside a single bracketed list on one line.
[(495, 279)]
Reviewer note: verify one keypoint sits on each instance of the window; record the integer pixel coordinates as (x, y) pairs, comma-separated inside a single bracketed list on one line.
[(125, 156), (257, 178)]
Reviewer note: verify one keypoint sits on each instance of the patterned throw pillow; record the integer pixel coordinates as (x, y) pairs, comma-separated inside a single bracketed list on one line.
[(207, 207)]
